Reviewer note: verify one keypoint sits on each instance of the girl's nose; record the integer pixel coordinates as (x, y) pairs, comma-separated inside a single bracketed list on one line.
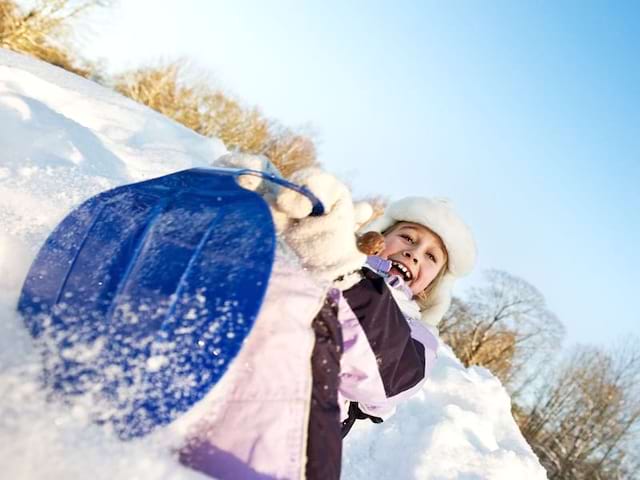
[(409, 256)]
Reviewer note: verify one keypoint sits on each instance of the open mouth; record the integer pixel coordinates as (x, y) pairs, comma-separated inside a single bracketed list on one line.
[(404, 271)]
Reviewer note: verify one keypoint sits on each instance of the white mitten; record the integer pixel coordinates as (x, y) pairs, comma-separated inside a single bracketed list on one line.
[(253, 162), (326, 245), (267, 189)]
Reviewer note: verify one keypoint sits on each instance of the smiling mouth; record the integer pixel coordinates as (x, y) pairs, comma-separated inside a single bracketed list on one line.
[(404, 271)]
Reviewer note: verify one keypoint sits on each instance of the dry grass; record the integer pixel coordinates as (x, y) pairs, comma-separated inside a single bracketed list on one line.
[(42, 32), (45, 30), (291, 151), (190, 100), (496, 353), (378, 204)]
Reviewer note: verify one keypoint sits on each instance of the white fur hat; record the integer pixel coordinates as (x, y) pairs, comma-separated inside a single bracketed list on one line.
[(437, 215)]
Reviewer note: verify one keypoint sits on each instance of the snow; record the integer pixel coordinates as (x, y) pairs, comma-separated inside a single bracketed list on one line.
[(64, 139), (458, 427)]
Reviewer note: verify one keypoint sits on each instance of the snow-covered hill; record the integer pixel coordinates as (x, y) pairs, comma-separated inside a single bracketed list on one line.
[(64, 139)]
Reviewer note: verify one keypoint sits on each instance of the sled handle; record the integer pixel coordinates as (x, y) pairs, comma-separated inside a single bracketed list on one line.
[(317, 206)]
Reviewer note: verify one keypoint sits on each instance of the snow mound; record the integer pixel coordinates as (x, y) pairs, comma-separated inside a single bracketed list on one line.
[(64, 139), (459, 426)]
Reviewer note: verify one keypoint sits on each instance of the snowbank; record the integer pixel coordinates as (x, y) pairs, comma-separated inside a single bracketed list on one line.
[(64, 139), (458, 427)]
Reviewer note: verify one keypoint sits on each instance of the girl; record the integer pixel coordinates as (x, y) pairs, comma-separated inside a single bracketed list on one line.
[(381, 316), (364, 344), (426, 246)]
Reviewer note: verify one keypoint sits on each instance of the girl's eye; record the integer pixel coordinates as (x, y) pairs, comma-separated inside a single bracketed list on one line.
[(432, 257), (407, 238)]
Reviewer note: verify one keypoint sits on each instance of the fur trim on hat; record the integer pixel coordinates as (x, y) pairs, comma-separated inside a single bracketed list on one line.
[(437, 215)]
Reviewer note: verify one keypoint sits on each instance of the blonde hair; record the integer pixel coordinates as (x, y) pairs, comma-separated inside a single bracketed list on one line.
[(423, 298)]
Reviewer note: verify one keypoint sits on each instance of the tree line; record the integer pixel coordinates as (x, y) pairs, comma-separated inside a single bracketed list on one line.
[(579, 410)]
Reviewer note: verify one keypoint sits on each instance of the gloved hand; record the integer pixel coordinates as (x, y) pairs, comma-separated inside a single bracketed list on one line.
[(253, 162), (268, 190), (326, 245)]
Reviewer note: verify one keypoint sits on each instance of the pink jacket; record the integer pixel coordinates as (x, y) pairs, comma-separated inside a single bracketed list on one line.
[(276, 413)]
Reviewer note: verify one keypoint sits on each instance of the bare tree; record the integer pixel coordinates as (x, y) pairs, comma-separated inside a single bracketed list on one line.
[(504, 325), (583, 421)]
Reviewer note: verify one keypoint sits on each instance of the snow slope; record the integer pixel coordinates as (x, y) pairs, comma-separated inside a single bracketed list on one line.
[(64, 139), (458, 427)]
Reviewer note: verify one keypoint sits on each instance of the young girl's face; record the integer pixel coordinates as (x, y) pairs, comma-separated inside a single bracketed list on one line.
[(417, 254)]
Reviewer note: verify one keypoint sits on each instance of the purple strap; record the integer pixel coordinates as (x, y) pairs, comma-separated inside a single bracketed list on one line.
[(379, 264), (382, 266)]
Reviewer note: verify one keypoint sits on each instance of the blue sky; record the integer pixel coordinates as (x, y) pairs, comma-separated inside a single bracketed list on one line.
[(525, 114)]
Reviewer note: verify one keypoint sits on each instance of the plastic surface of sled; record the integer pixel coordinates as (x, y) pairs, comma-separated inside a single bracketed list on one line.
[(143, 295)]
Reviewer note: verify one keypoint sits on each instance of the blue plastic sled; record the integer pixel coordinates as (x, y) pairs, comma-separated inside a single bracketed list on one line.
[(143, 295)]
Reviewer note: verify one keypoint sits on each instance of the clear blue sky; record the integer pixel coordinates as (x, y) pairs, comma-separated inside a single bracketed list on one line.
[(525, 114)]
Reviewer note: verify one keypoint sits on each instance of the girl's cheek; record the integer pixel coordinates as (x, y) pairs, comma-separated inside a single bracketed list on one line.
[(429, 273)]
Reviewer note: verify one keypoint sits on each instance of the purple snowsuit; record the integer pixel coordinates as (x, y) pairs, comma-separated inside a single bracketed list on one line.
[(278, 415)]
